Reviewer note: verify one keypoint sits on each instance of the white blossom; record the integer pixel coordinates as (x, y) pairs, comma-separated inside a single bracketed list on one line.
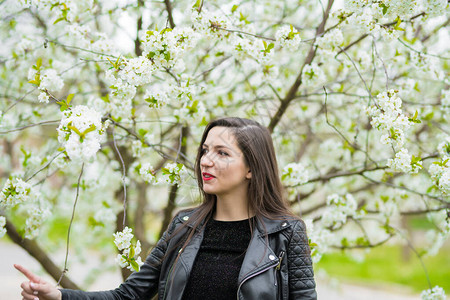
[(313, 75), (401, 8), (387, 116), (2, 226), (14, 192), (294, 174), (147, 173), (123, 239), (440, 173), (130, 253), (403, 162), (36, 216), (332, 39), (338, 208), (80, 132), (435, 7), (50, 80), (173, 173), (137, 71), (43, 97), (436, 293), (288, 37), (105, 215), (210, 24)]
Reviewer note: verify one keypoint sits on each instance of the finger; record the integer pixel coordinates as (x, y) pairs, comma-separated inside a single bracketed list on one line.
[(27, 273), (28, 296), (27, 288)]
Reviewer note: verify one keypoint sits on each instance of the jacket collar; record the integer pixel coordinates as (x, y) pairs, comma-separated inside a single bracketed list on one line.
[(263, 225), (269, 226)]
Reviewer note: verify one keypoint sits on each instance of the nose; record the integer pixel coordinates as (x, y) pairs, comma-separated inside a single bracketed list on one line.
[(206, 160)]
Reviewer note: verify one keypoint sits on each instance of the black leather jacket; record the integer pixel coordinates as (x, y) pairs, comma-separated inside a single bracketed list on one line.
[(276, 266)]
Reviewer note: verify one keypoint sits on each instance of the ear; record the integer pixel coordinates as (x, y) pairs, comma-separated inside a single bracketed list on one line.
[(249, 174)]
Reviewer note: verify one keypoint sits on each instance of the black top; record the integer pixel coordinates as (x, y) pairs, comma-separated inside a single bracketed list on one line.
[(216, 268)]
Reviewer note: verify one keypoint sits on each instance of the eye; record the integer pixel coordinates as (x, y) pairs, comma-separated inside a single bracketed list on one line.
[(203, 151), (223, 153)]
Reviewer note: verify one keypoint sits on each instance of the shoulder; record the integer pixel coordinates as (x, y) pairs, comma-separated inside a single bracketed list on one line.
[(182, 217), (295, 229)]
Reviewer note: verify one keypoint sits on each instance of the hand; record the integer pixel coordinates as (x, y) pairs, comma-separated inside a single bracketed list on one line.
[(37, 288)]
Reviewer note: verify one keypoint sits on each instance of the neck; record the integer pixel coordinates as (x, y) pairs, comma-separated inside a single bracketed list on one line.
[(232, 209)]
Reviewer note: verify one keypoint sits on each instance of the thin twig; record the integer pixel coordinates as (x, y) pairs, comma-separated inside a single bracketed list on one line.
[(70, 226), (123, 179), (44, 167), (28, 126), (420, 52)]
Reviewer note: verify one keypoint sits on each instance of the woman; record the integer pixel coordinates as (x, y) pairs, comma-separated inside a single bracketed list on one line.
[(241, 242)]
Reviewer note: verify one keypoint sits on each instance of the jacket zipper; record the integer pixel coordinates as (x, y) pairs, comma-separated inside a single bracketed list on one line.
[(278, 275), (253, 275), (167, 278)]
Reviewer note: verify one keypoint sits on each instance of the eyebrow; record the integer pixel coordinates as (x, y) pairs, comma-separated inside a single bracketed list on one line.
[(217, 146)]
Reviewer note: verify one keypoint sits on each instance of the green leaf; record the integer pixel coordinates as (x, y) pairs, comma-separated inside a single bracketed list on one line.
[(197, 4), (73, 128), (233, 9), (132, 251), (142, 132), (69, 98), (344, 242), (91, 128), (385, 8), (39, 63), (135, 265)]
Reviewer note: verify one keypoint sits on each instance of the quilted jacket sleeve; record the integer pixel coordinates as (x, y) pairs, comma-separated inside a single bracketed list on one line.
[(301, 275), (139, 285)]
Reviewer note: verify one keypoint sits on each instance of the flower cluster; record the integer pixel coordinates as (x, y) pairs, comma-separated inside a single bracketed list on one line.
[(354, 5), (130, 253), (2, 226), (338, 208), (445, 100), (294, 174), (173, 173), (210, 24), (80, 131), (404, 162), (440, 173), (319, 240), (36, 216), (435, 7), (313, 75), (137, 71), (14, 192), (401, 8), (163, 49), (46, 80), (444, 147), (331, 40), (288, 37), (148, 173), (436, 293), (120, 96), (387, 116)]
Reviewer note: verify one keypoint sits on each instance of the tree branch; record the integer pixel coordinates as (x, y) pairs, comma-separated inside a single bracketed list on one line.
[(36, 251), (294, 88)]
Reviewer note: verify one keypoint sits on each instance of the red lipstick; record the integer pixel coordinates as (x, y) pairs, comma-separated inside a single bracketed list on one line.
[(207, 176)]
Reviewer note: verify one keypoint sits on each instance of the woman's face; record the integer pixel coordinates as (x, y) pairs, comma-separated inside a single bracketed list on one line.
[(222, 164)]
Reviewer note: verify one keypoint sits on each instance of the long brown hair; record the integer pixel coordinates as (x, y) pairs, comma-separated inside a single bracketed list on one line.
[(264, 190)]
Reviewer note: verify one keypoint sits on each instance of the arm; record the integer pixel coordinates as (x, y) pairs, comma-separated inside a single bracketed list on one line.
[(301, 274), (140, 285)]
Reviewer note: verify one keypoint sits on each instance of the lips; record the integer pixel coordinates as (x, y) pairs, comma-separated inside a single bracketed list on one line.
[(207, 176)]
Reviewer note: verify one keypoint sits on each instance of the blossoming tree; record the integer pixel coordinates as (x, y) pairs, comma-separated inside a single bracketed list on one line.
[(103, 104)]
